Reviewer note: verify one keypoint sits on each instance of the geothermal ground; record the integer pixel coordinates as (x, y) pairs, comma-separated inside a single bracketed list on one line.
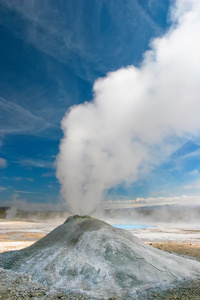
[(16, 235)]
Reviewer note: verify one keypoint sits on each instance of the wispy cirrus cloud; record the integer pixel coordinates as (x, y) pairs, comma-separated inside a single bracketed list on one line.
[(38, 163), (195, 173), (53, 31), (3, 163), (2, 188), (23, 178), (29, 179), (48, 174), (192, 186), (15, 119), (23, 192), (17, 178)]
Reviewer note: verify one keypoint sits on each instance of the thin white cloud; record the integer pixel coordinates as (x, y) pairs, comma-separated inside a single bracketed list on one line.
[(3, 163), (194, 154), (23, 192), (193, 186), (17, 120), (2, 188), (124, 203), (29, 179), (194, 173), (48, 174), (38, 163), (174, 200), (17, 178), (152, 201), (60, 37)]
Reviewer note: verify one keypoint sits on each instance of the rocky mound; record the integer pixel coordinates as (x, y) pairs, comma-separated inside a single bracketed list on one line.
[(90, 257)]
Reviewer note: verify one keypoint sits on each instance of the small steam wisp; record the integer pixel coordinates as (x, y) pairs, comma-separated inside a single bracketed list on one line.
[(136, 116)]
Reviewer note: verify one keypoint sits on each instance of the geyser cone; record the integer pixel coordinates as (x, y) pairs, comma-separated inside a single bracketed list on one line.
[(88, 256)]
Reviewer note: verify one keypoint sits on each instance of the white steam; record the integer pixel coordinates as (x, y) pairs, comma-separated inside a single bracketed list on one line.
[(135, 117)]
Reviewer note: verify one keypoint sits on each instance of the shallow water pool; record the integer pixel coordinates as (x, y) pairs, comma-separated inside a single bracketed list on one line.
[(131, 226)]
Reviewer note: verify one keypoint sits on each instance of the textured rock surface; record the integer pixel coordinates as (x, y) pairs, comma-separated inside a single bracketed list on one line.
[(90, 257)]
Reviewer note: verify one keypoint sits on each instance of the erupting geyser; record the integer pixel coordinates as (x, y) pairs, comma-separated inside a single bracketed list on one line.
[(90, 257), (138, 116)]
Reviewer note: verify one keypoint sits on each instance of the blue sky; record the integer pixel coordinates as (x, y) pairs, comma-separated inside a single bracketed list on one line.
[(51, 53)]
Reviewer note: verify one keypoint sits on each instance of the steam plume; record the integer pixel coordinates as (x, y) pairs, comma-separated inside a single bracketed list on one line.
[(135, 116)]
